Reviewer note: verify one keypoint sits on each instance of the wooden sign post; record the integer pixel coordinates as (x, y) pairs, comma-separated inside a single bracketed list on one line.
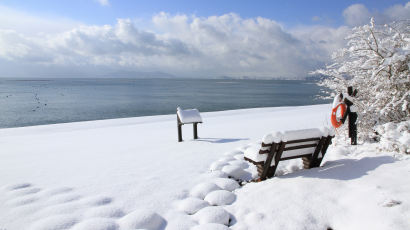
[(188, 116), (351, 113)]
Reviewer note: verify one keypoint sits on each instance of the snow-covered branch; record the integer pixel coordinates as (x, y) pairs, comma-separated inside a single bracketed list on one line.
[(376, 62)]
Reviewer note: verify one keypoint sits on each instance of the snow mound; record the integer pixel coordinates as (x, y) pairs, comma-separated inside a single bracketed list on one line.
[(192, 205), (201, 190), (216, 174), (220, 197), (142, 219), (226, 184), (105, 211), (217, 165), (240, 163), (212, 214), (54, 222), (238, 156), (210, 226), (179, 221), (96, 224), (234, 171)]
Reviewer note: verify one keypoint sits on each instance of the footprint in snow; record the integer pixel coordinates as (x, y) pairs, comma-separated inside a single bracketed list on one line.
[(391, 203)]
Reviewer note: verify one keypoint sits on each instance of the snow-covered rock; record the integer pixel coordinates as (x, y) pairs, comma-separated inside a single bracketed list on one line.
[(191, 205), (142, 219), (240, 163), (180, 221), (201, 190), (210, 226), (212, 214), (217, 165), (233, 171), (220, 197), (226, 184)]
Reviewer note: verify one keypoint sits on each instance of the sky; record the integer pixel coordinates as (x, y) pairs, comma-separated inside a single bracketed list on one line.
[(120, 38)]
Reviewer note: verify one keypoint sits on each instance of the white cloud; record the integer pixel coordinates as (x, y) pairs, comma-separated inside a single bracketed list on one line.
[(182, 45), (358, 14), (103, 2)]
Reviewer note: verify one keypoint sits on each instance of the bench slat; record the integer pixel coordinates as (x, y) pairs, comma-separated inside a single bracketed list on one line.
[(300, 147), (294, 157), (303, 140)]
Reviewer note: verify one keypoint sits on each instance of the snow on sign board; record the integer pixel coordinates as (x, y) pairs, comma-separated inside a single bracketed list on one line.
[(189, 115)]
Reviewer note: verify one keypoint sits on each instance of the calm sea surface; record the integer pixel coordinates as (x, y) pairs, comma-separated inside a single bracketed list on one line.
[(37, 102)]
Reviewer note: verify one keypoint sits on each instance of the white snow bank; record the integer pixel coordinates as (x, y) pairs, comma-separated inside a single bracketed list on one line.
[(356, 188), (106, 169), (189, 115)]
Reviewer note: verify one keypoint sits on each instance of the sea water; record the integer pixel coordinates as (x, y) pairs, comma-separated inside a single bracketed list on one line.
[(49, 101)]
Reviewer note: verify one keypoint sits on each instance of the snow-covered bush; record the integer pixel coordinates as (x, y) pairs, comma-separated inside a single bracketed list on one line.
[(376, 62), (395, 136)]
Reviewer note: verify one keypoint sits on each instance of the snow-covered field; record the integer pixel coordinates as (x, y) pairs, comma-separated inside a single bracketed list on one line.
[(133, 174)]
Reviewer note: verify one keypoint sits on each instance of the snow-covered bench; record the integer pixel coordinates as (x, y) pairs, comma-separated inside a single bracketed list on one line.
[(188, 116), (308, 144)]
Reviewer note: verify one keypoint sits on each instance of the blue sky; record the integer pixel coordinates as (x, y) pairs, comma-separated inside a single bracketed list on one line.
[(264, 39), (289, 12)]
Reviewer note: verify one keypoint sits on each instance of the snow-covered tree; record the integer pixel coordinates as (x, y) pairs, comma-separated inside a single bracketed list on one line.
[(376, 62)]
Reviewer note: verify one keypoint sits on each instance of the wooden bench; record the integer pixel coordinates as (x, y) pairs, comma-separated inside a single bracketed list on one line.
[(309, 144), (188, 116)]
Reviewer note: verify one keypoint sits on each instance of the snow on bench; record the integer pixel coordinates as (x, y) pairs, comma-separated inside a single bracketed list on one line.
[(188, 116), (309, 144)]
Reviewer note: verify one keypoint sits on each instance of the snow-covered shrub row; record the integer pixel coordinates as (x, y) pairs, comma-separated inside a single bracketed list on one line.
[(204, 207), (395, 136), (376, 63)]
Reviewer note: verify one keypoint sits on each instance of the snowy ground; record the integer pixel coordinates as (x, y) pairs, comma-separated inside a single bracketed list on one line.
[(132, 173)]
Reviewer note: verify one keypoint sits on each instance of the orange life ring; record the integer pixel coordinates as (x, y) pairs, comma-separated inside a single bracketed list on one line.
[(335, 122)]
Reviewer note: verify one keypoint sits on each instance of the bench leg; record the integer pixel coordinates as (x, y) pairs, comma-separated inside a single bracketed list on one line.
[(318, 160), (275, 154)]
